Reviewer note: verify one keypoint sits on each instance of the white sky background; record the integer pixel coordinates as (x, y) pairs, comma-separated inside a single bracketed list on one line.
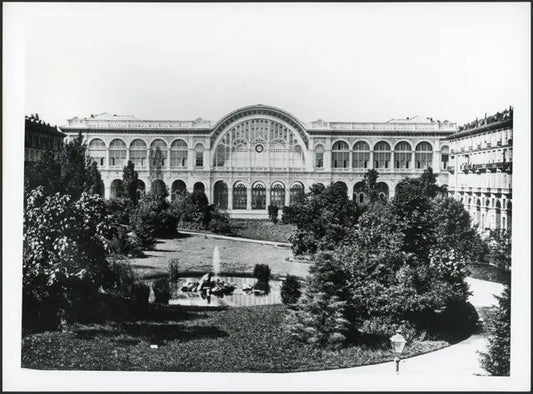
[(338, 62)]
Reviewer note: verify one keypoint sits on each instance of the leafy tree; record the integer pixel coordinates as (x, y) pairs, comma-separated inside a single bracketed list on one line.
[(499, 244), (369, 185), (193, 210), (323, 218), (45, 173), (130, 182), (72, 172), (94, 183), (64, 252), (497, 360)]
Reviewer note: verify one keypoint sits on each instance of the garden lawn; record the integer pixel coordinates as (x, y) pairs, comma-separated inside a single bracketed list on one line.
[(195, 254), (264, 230), (247, 339)]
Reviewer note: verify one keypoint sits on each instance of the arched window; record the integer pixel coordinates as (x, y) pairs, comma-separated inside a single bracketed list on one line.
[(117, 153), (296, 192), (277, 194), (221, 195), (198, 187), (178, 186), (163, 147), (361, 155), (402, 155), (383, 190), (382, 155), (258, 196), (444, 157), (297, 157), (178, 154), (117, 189), (199, 156), (239, 196), (97, 151), (423, 155), (358, 194), (340, 155), (342, 186), (138, 153), (319, 156)]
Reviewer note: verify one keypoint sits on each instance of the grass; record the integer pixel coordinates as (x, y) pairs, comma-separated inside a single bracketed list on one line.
[(246, 339), (195, 254), (264, 230)]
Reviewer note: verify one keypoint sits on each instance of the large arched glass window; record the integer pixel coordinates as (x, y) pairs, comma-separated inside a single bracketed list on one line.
[(141, 189), (239, 196), (361, 155), (222, 155), (340, 155), (358, 193), (277, 194), (382, 155), (117, 153), (221, 195), (178, 154), (296, 192), (402, 155), (97, 151), (138, 153), (383, 190), (163, 147), (319, 156), (423, 155), (258, 196)]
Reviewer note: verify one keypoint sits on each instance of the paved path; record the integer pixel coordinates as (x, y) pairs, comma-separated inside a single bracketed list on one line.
[(216, 236), (458, 360)]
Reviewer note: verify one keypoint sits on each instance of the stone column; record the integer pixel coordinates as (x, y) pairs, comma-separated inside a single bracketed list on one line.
[(249, 198), (230, 196), (371, 159), (267, 196)]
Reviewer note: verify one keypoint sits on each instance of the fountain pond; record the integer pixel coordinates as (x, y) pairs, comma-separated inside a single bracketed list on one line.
[(231, 291)]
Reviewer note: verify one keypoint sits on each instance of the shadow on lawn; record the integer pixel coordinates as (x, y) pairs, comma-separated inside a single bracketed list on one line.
[(155, 333)]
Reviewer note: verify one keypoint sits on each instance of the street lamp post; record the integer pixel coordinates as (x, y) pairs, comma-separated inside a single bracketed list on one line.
[(398, 343)]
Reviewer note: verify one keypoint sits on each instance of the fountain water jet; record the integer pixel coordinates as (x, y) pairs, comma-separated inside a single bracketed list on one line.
[(216, 262)]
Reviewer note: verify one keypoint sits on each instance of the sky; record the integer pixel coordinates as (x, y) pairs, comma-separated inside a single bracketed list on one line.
[(337, 62)]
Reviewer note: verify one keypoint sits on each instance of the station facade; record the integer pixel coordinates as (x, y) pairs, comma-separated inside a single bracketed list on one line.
[(261, 155)]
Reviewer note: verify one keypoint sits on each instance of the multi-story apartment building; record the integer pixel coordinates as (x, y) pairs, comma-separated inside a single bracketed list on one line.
[(481, 169), (40, 137), (261, 155)]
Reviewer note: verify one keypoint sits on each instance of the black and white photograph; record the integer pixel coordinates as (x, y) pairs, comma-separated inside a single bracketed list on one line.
[(266, 196)]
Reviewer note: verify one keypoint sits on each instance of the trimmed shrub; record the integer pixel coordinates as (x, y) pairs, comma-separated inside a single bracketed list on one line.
[(290, 290), (273, 213), (162, 290), (262, 272)]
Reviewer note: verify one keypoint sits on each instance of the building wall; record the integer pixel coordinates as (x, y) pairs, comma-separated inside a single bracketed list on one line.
[(40, 137), (266, 147), (481, 170)]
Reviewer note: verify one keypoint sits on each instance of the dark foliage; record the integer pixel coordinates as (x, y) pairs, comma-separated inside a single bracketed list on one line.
[(262, 272), (497, 360), (130, 182), (273, 213), (290, 290), (162, 290)]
